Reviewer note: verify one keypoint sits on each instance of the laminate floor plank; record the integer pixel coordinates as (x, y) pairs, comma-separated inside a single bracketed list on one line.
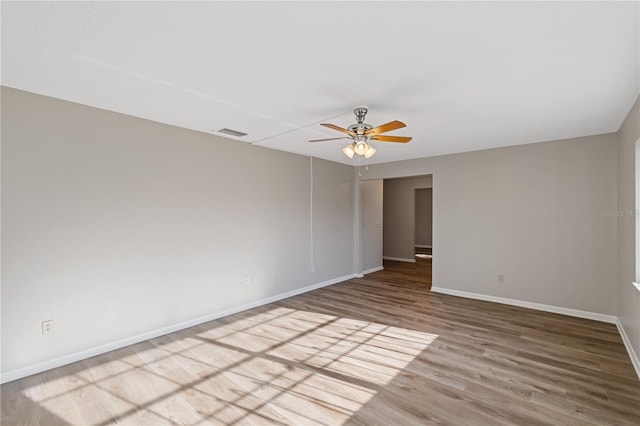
[(378, 350)]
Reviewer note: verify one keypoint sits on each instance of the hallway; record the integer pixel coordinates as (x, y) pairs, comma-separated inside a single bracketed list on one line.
[(418, 272)]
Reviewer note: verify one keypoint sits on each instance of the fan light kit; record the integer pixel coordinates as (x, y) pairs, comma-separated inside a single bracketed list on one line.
[(362, 133)]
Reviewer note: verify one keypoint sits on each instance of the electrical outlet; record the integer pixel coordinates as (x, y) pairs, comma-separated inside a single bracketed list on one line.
[(47, 327), (247, 280), (312, 269), (500, 278)]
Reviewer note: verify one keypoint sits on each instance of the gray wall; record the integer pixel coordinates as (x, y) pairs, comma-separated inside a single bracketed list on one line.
[(399, 214), (424, 217), (534, 213), (115, 226), (371, 207), (628, 295)]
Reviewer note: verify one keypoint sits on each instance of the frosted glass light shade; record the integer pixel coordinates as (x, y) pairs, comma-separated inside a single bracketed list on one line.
[(349, 151), (369, 152), (361, 147)]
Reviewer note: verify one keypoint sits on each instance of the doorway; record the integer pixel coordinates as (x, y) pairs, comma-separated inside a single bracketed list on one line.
[(423, 229), (406, 222)]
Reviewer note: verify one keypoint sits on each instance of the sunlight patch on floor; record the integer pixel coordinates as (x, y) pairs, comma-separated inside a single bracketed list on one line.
[(424, 256), (278, 366)]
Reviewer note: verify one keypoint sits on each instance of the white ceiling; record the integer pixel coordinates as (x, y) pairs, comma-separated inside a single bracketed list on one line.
[(462, 76)]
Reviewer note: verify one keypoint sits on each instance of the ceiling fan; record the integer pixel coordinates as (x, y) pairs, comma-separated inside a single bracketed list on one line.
[(361, 133)]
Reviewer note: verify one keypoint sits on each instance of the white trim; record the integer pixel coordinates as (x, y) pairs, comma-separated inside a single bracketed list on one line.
[(97, 350), (636, 285), (399, 259), (627, 344), (538, 306), (376, 269), (423, 246), (635, 361)]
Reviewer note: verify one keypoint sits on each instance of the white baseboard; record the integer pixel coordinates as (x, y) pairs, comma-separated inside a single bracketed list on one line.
[(423, 246), (537, 306), (627, 344), (376, 269), (555, 309), (88, 353), (399, 259)]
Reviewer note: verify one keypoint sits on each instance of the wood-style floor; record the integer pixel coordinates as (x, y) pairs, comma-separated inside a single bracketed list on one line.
[(380, 350)]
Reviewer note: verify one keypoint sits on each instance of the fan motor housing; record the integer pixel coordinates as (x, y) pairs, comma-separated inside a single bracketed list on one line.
[(360, 128)]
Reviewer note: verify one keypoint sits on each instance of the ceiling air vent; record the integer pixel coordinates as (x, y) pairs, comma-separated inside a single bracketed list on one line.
[(232, 132)]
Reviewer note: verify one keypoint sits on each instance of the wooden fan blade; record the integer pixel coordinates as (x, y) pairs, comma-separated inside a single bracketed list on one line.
[(392, 125), (330, 139), (400, 139), (338, 128)]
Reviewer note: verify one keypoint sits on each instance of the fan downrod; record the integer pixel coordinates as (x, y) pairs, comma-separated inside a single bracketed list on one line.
[(360, 127)]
